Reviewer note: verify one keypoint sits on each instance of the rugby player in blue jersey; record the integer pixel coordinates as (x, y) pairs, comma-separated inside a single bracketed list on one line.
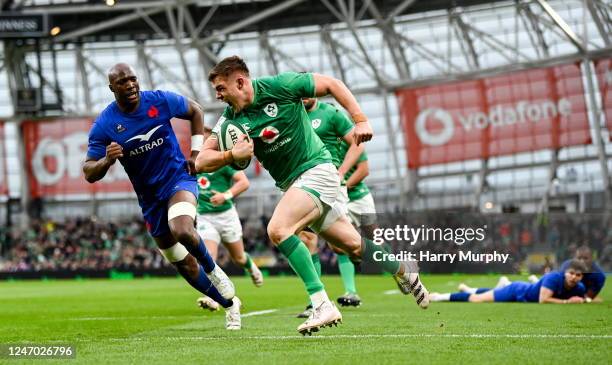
[(554, 287), (135, 129), (593, 278)]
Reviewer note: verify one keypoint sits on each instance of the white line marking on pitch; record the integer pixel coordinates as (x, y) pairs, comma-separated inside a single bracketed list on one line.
[(323, 337), (258, 313), (391, 292), (129, 317)]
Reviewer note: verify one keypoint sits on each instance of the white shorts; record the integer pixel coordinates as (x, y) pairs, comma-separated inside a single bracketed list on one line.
[(322, 183), (220, 227), (362, 211)]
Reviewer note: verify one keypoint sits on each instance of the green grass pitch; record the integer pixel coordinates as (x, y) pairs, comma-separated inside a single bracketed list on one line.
[(156, 321)]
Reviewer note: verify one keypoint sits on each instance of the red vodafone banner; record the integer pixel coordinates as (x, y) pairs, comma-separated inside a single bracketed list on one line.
[(603, 69), (56, 150), (516, 112), (3, 176)]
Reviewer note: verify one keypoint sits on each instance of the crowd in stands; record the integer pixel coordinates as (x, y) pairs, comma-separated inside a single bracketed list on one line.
[(89, 243)]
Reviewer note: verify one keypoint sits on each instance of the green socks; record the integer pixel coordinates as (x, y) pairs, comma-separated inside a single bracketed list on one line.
[(369, 255), (249, 262), (347, 273), (301, 262), (316, 261)]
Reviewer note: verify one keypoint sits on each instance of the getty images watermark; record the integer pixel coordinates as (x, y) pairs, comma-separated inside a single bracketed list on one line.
[(422, 235)]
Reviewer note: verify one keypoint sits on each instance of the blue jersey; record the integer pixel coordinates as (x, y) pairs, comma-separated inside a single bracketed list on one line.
[(554, 281), (521, 291), (593, 280), (152, 157)]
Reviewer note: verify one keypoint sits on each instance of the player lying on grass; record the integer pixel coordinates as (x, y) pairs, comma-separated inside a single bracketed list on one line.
[(554, 287), (135, 129), (593, 278), (334, 128), (282, 139), (218, 222)]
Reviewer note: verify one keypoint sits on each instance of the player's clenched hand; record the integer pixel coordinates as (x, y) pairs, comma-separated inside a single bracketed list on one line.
[(243, 149), (576, 299), (113, 152), (363, 132), (217, 199)]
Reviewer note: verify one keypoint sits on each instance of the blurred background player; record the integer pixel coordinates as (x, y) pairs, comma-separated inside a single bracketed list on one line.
[(335, 130), (271, 110), (218, 222), (362, 213), (560, 287), (138, 122), (593, 278)]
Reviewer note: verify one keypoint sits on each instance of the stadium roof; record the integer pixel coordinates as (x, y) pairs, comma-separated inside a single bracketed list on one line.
[(93, 20)]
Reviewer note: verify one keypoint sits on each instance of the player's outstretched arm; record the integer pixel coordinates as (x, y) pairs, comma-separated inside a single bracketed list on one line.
[(95, 170), (211, 159), (352, 154), (361, 172), (546, 296), (325, 85)]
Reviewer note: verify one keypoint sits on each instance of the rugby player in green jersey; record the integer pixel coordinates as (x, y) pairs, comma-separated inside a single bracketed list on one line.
[(218, 222), (271, 110)]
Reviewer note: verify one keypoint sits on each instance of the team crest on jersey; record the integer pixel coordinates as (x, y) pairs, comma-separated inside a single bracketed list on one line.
[(119, 128), (271, 109), (203, 182), (153, 112), (316, 123), (269, 134)]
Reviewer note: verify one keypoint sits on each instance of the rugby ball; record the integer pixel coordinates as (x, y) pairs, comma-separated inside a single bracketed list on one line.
[(230, 133)]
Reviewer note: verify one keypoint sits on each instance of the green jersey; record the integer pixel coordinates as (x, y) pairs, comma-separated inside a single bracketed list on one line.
[(361, 189), (221, 181), (331, 125), (285, 143)]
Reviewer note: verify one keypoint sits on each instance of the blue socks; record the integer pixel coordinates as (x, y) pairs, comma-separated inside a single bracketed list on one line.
[(201, 254)]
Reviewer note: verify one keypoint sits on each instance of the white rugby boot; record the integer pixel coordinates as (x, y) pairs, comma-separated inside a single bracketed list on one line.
[(232, 315), (326, 314), (207, 303), (222, 282), (409, 282), (503, 282)]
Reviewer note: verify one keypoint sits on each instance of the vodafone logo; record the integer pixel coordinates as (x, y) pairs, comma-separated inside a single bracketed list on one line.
[(203, 182), (436, 126), (434, 138), (269, 134)]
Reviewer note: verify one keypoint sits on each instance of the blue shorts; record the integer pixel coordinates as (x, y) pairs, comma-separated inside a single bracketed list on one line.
[(514, 292), (156, 213)]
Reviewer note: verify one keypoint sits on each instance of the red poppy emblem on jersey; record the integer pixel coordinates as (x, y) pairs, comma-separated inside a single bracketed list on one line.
[(269, 134), (203, 182), (153, 112)]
